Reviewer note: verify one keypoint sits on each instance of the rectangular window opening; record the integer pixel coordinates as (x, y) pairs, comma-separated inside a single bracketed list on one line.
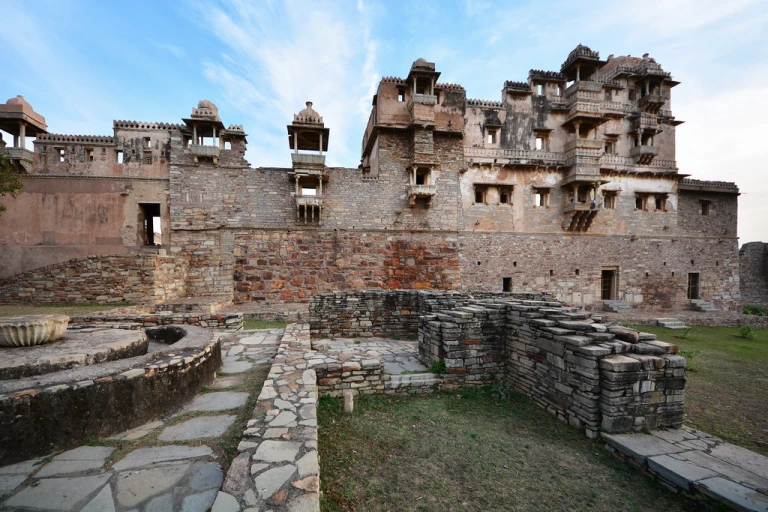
[(577, 271), (492, 136), (541, 198), (89, 155), (400, 95), (61, 154), (694, 288), (480, 194), (506, 284), (227, 144), (551, 273), (118, 156), (539, 143), (505, 195), (705, 207), (609, 201), (308, 191), (147, 143), (540, 89)]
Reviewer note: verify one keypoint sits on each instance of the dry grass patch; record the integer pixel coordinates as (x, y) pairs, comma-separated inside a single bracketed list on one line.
[(470, 451), (67, 308)]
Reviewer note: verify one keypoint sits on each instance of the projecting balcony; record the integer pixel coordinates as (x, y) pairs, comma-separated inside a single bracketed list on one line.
[(643, 155), (307, 159), (645, 122), (21, 155), (421, 191), (422, 109), (579, 217), (652, 102), (578, 207), (591, 145), (309, 201), (584, 86), (199, 150), (614, 109)]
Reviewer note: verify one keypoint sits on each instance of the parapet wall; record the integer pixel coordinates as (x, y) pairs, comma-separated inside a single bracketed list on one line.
[(139, 277)]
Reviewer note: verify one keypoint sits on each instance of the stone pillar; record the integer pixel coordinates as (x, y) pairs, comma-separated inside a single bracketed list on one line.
[(22, 134)]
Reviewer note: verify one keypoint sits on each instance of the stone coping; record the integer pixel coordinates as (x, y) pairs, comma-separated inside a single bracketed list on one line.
[(277, 468), (76, 348), (45, 413), (699, 465)]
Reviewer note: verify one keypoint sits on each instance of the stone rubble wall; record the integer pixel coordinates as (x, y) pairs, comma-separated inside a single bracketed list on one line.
[(753, 269), (278, 465), (229, 321), (137, 277), (393, 313)]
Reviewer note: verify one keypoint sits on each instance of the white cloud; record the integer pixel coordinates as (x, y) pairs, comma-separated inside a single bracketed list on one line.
[(284, 54)]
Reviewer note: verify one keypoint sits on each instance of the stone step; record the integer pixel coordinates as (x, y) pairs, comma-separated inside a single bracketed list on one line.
[(670, 323), (615, 306), (411, 380), (703, 306)]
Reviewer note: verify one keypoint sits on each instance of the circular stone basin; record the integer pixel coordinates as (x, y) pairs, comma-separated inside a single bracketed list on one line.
[(76, 348), (28, 330)]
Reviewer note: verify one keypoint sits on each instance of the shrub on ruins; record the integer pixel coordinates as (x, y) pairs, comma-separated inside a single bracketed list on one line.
[(437, 367), (753, 309), (746, 332), (10, 182)]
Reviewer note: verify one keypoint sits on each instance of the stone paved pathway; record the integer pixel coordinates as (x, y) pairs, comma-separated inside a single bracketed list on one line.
[(693, 461), (164, 475)]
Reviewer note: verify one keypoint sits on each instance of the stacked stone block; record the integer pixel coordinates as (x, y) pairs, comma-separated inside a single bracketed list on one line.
[(361, 376)]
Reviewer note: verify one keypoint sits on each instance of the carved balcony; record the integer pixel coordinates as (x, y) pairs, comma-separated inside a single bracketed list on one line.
[(199, 150), (309, 201), (643, 155), (421, 191), (645, 122), (590, 145), (304, 160), (22, 156), (422, 109), (652, 102), (579, 217)]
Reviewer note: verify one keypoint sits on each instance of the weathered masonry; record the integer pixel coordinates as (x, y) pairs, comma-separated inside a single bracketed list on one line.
[(568, 184)]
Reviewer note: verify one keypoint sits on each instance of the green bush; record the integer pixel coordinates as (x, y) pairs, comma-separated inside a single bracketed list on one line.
[(689, 356), (437, 367), (745, 332), (752, 309)]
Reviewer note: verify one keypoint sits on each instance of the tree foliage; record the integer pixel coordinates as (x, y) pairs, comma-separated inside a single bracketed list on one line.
[(10, 182)]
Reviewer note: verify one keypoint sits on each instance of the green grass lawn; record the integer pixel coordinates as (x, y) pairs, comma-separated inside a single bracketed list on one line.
[(727, 382), (469, 450), (71, 309), (251, 324)]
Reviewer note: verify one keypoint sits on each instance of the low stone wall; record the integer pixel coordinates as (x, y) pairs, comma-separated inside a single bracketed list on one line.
[(587, 374), (753, 272), (47, 413), (230, 321), (384, 313), (362, 376), (278, 463), (138, 278)]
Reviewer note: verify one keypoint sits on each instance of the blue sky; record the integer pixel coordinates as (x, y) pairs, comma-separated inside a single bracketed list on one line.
[(82, 64)]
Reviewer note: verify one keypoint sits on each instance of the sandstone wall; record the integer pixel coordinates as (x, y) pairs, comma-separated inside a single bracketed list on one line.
[(753, 265), (137, 277)]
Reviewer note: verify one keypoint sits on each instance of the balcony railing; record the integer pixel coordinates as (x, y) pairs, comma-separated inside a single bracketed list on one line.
[(521, 156), (200, 150), (307, 159), (309, 200), (583, 144), (645, 122), (652, 102), (422, 190), (579, 207), (22, 154), (583, 85)]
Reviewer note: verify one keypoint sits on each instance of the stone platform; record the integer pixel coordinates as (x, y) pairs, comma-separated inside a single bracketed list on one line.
[(695, 463)]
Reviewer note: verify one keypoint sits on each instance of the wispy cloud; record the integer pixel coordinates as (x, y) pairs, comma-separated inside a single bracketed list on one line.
[(280, 55), (174, 50)]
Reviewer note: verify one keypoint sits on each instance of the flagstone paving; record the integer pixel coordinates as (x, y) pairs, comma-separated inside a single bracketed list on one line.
[(173, 476)]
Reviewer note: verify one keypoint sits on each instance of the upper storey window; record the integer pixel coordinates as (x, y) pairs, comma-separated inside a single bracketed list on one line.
[(492, 136), (706, 207)]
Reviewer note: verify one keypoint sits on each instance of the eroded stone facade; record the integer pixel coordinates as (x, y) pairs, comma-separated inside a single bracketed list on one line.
[(567, 184)]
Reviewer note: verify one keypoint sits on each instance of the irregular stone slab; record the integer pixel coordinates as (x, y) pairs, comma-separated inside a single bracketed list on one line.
[(277, 451), (671, 436), (641, 446), (147, 456), (218, 401), (284, 418), (413, 366), (103, 502), (208, 476), (236, 367), (77, 460), (135, 486), (162, 503), (393, 368), (308, 464), (198, 428), (138, 432), (681, 473), (225, 503), (733, 494), (9, 482), (25, 468), (729, 470), (57, 493), (227, 382), (305, 503), (269, 482), (237, 476), (199, 502), (743, 458)]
